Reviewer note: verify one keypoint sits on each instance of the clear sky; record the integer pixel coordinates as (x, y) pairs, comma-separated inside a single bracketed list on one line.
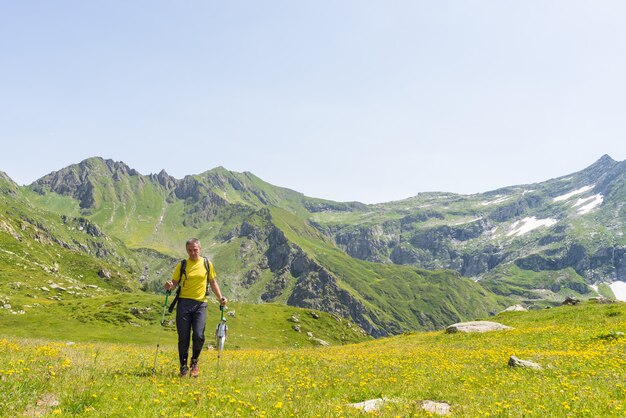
[(345, 100)]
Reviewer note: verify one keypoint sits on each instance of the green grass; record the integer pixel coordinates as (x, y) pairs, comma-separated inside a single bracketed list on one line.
[(580, 348), (135, 319)]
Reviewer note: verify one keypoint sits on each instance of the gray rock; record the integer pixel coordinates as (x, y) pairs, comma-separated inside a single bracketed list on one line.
[(476, 326), (320, 342), (515, 308), (439, 408), (104, 274), (570, 301), (527, 364), (370, 405)]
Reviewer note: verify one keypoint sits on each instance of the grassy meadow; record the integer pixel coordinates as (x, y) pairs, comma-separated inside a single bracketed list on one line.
[(581, 348)]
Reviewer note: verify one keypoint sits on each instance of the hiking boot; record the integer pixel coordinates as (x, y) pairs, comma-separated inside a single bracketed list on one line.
[(195, 370), (184, 371)]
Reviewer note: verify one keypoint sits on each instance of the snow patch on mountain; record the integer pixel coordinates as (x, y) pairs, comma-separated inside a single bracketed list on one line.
[(589, 203), (525, 225), (619, 290), (574, 193)]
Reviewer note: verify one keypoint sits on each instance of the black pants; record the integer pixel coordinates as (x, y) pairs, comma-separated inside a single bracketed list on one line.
[(190, 316)]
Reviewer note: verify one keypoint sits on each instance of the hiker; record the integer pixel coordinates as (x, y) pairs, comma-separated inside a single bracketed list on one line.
[(194, 275)]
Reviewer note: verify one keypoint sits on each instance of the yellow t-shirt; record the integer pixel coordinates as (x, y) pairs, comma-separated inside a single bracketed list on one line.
[(193, 286)]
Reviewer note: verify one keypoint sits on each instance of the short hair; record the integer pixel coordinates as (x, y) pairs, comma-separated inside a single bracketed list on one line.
[(193, 241)]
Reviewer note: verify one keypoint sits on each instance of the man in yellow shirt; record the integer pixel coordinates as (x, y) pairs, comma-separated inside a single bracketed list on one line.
[(192, 304)]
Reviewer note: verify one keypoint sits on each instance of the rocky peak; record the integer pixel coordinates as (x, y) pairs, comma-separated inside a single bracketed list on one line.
[(596, 171), (612, 180), (7, 185), (168, 182)]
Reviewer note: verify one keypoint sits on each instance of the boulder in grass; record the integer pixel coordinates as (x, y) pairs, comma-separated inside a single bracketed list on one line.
[(476, 326), (439, 408), (570, 300), (515, 308), (320, 342), (526, 364), (370, 405)]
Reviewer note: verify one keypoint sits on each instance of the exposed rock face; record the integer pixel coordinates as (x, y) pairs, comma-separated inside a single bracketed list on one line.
[(314, 287), (604, 262), (168, 182), (516, 209), (319, 290), (369, 244), (329, 206), (201, 203), (405, 254), (429, 248), (481, 261), (87, 226), (7, 185), (78, 180)]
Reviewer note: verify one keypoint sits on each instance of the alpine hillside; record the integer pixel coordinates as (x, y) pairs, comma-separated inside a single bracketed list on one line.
[(420, 263), (533, 242)]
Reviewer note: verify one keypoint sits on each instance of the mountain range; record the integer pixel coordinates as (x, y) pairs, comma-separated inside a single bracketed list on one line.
[(417, 264)]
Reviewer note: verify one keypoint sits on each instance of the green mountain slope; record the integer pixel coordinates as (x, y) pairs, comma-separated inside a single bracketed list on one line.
[(573, 222), (264, 248), (61, 277), (414, 264), (397, 298), (38, 247)]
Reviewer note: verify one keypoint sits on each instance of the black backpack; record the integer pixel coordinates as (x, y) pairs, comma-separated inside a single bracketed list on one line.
[(183, 266)]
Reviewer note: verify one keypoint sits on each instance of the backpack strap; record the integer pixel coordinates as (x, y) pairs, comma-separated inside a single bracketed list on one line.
[(207, 267), (183, 271)]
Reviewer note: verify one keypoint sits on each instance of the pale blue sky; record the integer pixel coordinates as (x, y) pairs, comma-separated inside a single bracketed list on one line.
[(345, 100)]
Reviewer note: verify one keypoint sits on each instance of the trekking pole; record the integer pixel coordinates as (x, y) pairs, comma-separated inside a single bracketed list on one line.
[(167, 293), (220, 336)]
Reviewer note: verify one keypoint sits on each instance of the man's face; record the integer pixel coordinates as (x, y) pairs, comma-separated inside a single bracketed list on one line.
[(193, 250)]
